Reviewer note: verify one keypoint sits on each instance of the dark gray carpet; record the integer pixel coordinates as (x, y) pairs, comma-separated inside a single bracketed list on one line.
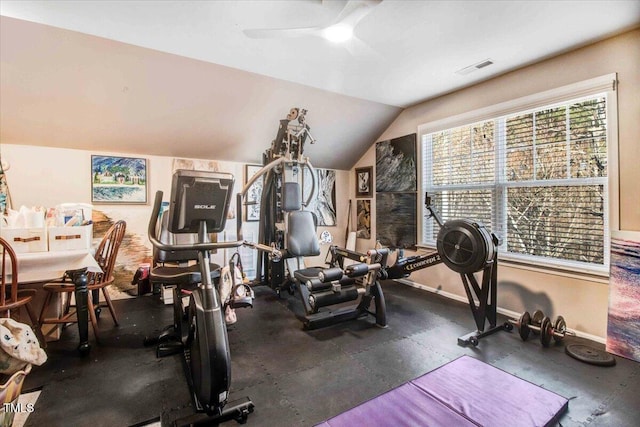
[(300, 378)]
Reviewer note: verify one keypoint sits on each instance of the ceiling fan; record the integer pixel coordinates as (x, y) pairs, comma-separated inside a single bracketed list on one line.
[(339, 30)]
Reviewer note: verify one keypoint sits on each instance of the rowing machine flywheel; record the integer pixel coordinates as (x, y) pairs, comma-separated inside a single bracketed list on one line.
[(465, 246)]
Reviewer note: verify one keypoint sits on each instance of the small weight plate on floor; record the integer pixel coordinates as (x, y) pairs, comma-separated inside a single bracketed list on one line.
[(546, 331), (559, 328), (587, 354), (523, 325)]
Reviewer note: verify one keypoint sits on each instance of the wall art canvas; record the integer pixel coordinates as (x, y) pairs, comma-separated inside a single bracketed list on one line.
[(396, 164), (364, 182), (324, 203), (254, 194), (623, 326), (118, 179), (363, 211), (396, 220), (198, 165), (5, 199)]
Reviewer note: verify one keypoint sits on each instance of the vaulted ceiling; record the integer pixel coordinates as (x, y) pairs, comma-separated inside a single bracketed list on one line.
[(189, 79)]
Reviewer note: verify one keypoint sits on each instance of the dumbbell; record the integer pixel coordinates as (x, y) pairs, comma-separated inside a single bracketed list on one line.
[(526, 325), (522, 324), (557, 331)]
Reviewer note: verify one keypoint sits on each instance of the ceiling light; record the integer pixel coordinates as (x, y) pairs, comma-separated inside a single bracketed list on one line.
[(338, 33)]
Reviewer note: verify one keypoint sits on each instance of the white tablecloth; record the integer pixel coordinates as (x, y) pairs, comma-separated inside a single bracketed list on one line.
[(44, 266)]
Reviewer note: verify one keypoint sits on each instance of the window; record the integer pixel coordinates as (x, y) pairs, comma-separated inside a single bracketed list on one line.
[(533, 171)]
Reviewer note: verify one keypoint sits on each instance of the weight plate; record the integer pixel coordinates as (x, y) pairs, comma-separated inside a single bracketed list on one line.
[(523, 325), (587, 354), (559, 328), (536, 317), (546, 331)]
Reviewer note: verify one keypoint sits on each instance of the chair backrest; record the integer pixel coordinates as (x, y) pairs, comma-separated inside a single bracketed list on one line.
[(9, 266), (108, 251)]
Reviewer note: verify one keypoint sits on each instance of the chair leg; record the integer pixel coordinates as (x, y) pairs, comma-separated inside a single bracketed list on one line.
[(107, 298), (67, 303), (46, 303), (92, 317), (36, 326)]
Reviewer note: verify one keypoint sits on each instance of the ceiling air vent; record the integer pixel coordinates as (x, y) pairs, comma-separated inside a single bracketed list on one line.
[(471, 68)]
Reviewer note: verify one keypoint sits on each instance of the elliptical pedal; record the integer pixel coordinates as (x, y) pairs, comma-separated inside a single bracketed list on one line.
[(169, 348)]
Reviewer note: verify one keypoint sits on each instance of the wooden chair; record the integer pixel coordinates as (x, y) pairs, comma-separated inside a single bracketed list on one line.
[(12, 298), (106, 257)]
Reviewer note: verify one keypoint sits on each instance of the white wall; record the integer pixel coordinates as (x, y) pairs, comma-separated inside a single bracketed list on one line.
[(43, 176), (580, 299)]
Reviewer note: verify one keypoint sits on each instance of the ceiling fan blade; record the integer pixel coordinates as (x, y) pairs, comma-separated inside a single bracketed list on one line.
[(354, 11), (351, 14), (361, 50), (272, 33)]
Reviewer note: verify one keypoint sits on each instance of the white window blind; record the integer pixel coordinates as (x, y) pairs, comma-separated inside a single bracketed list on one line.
[(536, 177)]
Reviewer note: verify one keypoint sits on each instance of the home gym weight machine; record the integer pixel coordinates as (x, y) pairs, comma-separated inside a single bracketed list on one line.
[(464, 246), (283, 160), (199, 204), (285, 225)]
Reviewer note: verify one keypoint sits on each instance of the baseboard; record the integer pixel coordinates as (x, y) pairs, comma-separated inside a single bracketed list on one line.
[(508, 313)]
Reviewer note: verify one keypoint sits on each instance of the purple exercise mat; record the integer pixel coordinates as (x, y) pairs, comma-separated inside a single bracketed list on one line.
[(464, 392)]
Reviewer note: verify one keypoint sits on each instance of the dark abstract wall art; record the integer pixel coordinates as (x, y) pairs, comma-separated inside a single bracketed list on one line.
[(396, 220), (324, 202), (396, 164)]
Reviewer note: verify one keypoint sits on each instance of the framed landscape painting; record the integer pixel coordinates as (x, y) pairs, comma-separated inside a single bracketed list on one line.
[(118, 179)]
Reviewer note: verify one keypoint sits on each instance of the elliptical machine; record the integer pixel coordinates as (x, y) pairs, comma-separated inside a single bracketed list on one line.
[(199, 204)]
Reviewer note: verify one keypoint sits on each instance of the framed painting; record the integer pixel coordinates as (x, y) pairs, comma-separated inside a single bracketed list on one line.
[(396, 164), (254, 194), (363, 230), (324, 202), (118, 179), (396, 220), (364, 187)]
